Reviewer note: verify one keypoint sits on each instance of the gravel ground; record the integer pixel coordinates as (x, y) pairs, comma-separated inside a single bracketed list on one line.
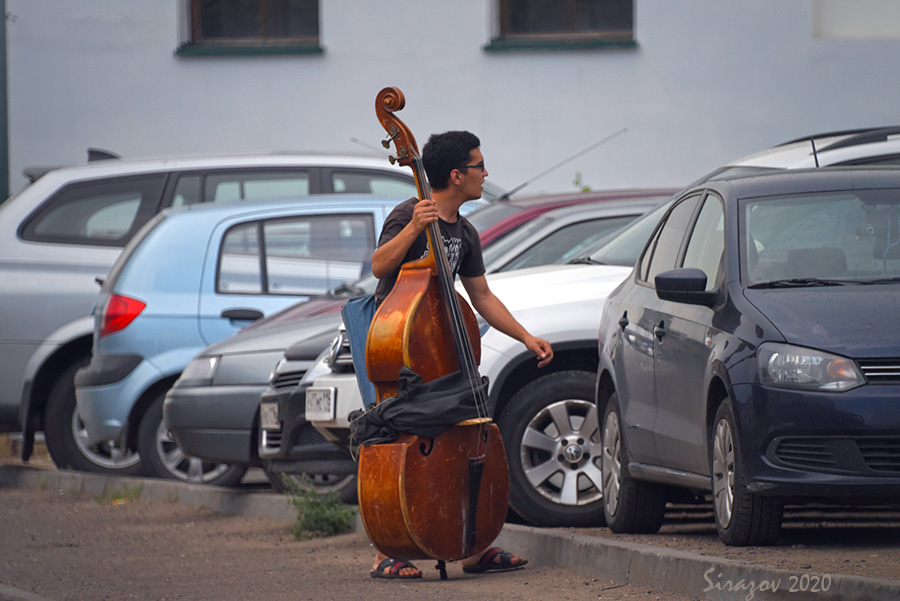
[(65, 546)]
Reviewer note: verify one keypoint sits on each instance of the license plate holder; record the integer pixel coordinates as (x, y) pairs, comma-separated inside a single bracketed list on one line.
[(320, 403), (268, 416)]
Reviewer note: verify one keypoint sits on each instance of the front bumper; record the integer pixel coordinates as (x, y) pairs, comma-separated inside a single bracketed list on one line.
[(295, 446), (214, 423), (841, 447)]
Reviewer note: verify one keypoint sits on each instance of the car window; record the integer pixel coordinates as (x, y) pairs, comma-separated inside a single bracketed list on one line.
[(662, 252), (104, 213), (233, 186), (852, 235), (372, 182), (558, 246), (304, 255), (707, 242)]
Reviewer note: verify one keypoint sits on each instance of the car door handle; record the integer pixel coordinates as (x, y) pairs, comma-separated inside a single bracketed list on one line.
[(660, 330), (242, 314)]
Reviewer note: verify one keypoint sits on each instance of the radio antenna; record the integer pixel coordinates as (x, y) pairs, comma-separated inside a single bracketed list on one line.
[(561, 163)]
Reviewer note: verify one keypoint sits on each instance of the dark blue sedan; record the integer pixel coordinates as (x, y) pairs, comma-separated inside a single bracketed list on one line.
[(754, 353)]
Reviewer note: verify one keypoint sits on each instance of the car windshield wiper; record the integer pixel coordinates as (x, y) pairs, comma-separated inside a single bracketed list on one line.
[(883, 281), (347, 288), (803, 282), (584, 261)]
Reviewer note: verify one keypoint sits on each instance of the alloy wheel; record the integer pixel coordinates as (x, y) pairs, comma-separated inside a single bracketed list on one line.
[(612, 462), (560, 453), (106, 455), (723, 472)]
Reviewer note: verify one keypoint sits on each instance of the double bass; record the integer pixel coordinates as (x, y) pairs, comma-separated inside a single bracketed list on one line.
[(445, 497)]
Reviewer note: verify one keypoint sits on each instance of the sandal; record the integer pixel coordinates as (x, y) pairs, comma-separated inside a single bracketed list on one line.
[(393, 567), (487, 562)]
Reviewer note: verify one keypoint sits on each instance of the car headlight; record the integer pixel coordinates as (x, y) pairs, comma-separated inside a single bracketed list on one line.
[(200, 371), (789, 366)]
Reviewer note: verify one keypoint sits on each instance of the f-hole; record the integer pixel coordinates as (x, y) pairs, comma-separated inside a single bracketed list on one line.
[(426, 447)]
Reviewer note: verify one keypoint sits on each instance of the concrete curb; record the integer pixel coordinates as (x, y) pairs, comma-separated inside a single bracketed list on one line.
[(673, 571)]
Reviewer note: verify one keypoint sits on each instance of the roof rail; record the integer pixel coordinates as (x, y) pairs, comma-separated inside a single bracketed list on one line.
[(832, 134), (880, 134)]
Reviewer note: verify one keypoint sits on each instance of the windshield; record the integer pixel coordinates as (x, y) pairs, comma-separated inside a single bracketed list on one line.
[(823, 238), (623, 248)]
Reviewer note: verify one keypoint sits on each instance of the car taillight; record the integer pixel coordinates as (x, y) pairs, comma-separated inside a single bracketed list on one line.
[(119, 312)]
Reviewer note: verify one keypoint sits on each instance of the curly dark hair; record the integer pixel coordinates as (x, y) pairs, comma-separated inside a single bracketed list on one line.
[(445, 152)]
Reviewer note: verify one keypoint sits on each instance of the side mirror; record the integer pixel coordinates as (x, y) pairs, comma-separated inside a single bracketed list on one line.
[(684, 285)]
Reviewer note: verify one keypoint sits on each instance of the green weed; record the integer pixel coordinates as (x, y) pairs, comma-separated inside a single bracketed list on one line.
[(317, 514)]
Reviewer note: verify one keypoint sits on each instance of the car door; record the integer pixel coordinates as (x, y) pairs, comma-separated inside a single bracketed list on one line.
[(258, 266), (682, 350), (637, 318)]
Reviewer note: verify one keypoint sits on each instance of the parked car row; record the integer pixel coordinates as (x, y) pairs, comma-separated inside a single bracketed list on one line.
[(555, 445), (714, 354)]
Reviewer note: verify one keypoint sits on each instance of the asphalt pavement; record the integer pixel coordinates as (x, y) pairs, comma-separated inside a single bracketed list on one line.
[(671, 570)]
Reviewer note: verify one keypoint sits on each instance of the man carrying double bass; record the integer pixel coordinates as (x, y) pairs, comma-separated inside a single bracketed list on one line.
[(455, 169)]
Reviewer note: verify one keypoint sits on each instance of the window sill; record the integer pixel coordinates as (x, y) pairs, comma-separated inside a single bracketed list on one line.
[(191, 50), (523, 43)]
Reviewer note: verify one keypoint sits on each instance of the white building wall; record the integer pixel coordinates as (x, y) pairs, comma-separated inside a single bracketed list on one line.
[(708, 81)]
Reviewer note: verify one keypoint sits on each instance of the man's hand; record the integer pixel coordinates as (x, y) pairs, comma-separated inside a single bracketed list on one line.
[(424, 212), (541, 348)]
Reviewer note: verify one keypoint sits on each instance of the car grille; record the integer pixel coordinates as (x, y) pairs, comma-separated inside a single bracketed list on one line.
[(288, 379), (880, 371), (881, 454), (807, 452), (864, 455)]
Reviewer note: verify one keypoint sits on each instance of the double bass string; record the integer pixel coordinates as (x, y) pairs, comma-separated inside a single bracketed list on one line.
[(464, 347)]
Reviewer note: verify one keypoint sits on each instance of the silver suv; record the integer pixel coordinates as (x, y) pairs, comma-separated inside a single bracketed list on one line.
[(61, 234)]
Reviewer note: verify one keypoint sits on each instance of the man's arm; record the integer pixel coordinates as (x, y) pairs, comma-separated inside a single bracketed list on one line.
[(495, 312), (388, 256)]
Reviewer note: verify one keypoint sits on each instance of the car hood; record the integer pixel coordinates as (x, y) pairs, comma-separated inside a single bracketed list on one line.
[(556, 302), (554, 284), (302, 310), (277, 338), (854, 321)]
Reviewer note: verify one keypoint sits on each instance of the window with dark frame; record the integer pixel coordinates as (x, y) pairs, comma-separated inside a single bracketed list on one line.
[(565, 22), (254, 22)]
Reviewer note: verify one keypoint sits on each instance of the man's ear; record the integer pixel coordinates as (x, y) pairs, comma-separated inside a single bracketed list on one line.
[(456, 177)]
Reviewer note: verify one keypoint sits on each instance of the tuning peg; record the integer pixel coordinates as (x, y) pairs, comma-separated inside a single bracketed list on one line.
[(392, 159), (386, 142)]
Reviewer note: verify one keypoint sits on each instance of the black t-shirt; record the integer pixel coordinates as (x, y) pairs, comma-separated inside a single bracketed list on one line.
[(460, 239)]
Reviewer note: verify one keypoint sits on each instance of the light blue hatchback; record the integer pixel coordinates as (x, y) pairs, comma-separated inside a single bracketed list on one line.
[(194, 276)]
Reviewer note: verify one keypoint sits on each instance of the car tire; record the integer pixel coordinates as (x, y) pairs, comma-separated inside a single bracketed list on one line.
[(163, 458), (742, 519), (551, 436), (629, 506), (344, 486), (66, 437)]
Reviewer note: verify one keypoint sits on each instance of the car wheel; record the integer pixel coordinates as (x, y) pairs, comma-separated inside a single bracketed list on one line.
[(164, 459), (629, 505), (344, 486), (741, 518), (66, 437), (550, 433)]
